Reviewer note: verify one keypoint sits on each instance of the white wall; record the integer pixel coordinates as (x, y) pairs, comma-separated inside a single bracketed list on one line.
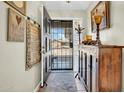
[(13, 76), (33, 10), (69, 15), (66, 13), (114, 35)]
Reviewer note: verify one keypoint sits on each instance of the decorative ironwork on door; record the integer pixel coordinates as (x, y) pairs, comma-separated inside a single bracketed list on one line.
[(62, 45)]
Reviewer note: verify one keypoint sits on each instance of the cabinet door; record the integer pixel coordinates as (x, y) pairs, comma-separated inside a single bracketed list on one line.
[(89, 72), (94, 73), (81, 64), (110, 69), (85, 77), (90, 66), (84, 66)]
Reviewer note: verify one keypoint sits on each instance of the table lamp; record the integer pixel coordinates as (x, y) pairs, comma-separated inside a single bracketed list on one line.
[(98, 20)]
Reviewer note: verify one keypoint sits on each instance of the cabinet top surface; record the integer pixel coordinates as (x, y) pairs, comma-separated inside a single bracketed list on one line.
[(112, 46), (103, 46)]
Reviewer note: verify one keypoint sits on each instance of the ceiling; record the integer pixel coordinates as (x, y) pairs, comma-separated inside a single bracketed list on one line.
[(63, 5)]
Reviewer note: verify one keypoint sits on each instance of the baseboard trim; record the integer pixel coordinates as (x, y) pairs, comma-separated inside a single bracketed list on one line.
[(37, 87)]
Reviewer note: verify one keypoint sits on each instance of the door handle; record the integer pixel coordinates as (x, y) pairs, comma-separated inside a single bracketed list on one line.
[(43, 50)]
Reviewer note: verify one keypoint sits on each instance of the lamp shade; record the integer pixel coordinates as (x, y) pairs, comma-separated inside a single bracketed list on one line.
[(98, 19)]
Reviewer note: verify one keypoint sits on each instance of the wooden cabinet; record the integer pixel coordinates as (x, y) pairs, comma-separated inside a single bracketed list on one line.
[(100, 67)]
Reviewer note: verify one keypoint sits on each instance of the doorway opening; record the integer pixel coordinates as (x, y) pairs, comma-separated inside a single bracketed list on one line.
[(62, 45)]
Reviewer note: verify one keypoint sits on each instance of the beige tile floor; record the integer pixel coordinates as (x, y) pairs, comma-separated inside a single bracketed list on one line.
[(63, 81)]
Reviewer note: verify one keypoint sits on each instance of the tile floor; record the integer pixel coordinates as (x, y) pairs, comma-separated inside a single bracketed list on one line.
[(63, 81)]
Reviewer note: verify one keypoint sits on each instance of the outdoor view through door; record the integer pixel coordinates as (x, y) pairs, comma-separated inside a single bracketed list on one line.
[(62, 45)]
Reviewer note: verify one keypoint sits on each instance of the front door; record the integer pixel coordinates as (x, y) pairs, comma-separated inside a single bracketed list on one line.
[(62, 45)]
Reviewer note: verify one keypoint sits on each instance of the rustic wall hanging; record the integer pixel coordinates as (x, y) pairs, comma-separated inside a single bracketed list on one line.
[(16, 26), (33, 44)]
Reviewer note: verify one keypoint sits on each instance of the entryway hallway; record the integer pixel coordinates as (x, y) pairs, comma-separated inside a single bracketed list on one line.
[(70, 46), (62, 81)]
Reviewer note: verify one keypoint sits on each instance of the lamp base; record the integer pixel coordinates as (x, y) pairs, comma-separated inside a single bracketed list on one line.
[(98, 42)]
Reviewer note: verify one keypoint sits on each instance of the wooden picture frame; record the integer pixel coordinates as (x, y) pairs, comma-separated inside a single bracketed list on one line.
[(18, 5), (16, 26), (33, 44), (102, 7)]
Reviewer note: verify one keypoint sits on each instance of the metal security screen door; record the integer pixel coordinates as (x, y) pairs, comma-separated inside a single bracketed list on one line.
[(62, 44)]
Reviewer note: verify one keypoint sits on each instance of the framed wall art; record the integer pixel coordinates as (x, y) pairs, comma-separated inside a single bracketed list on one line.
[(101, 8), (16, 26), (33, 44), (18, 5)]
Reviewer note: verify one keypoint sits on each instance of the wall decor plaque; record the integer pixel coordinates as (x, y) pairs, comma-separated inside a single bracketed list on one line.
[(18, 5), (33, 44), (16, 26)]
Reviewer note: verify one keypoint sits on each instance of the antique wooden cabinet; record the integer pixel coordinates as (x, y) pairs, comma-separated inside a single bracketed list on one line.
[(101, 67)]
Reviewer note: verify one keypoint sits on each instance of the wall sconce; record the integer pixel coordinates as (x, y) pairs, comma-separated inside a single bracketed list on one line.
[(98, 20)]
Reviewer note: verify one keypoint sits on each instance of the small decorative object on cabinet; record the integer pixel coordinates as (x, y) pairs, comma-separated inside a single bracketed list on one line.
[(88, 37), (92, 42), (16, 27), (88, 40), (18, 5), (102, 67)]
